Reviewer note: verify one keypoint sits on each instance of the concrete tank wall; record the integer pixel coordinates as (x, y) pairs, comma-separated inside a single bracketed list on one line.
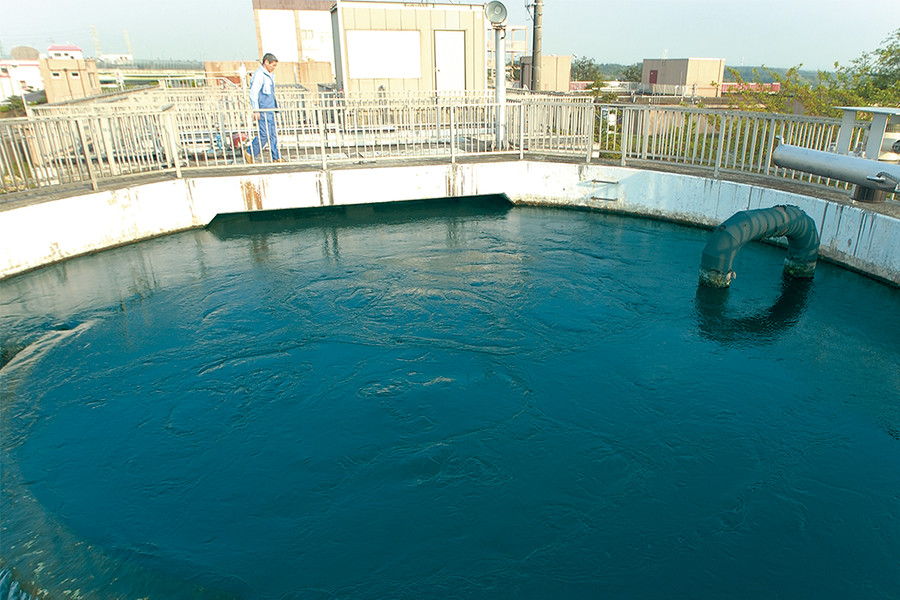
[(46, 232)]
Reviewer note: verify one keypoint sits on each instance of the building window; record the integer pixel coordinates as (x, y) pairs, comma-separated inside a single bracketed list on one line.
[(55, 75), (75, 74)]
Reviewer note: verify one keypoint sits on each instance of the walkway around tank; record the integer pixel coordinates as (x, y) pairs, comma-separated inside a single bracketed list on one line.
[(84, 177), (66, 226)]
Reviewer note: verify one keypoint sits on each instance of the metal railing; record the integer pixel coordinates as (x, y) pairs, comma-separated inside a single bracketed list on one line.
[(47, 152), (724, 140), (325, 129), (186, 129)]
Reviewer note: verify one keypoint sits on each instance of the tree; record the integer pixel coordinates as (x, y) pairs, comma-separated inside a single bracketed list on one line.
[(875, 76), (14, 106), (632, 72), (888, 61), (585, 69), (873, 79)]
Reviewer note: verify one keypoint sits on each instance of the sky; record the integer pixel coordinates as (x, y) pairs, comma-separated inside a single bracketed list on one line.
[(774, 33)]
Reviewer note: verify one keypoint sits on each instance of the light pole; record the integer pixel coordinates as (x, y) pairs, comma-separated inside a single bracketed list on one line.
[(496, 14)]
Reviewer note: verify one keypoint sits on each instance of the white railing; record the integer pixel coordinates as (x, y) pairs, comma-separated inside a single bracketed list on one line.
[(46, 152), (185, 129), (326, 130), (723, 140)]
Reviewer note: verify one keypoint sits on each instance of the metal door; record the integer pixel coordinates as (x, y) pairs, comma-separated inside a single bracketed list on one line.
[(449, 60)]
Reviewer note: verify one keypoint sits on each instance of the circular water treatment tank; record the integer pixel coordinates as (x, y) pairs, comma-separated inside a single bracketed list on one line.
[(464, 401)]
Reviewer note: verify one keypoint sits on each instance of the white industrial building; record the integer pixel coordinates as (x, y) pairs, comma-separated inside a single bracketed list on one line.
[(295, 31), (18, 77), (379, 46), (401, 46)]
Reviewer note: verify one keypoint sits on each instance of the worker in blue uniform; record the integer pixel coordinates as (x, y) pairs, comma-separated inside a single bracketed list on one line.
[(262, 97)]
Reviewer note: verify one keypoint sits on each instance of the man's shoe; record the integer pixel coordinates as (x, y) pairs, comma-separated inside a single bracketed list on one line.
[(248, 158), (279, 160)]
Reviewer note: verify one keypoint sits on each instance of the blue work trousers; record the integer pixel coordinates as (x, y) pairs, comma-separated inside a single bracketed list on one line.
[(266, 136)]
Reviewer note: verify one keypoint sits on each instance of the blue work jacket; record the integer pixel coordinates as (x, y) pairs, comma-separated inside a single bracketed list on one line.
[(262, 89)]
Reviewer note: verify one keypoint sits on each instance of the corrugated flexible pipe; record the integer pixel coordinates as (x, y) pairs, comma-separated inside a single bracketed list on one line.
[(749, 225)]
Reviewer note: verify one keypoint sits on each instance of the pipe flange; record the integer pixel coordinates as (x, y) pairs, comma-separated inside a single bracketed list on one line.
[(715, 278)]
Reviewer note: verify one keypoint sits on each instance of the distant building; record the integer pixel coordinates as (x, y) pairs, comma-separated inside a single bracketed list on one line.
[(67, 75), (295, 31), (65, 51), (751, 86), (18, 77), (116, 59), (581, 86), (405, 46), (556, 73), (683, 76)]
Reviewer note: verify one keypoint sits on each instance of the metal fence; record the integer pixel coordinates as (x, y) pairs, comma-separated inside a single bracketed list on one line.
[(187, 129), (48, 152), (726, 141)]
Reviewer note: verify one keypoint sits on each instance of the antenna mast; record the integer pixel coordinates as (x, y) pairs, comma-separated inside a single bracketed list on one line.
[(96, 37), (128, 43)]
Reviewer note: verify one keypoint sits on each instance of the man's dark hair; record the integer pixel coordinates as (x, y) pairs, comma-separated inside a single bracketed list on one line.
[(269, 57)]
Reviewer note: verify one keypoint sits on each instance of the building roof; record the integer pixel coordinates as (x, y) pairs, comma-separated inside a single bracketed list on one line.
[(686, 58), (423, 4), (61, 47), (327, 5), (324, 5)]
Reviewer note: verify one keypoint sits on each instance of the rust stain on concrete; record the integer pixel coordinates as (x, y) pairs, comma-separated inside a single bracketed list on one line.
[(253, 196)]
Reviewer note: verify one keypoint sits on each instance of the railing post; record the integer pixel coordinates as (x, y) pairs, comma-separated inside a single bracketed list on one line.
[(107, 144), (522, 108), (88, 161), (172, 148), (626, 134), (592, 116), (645, 130), (770, 145), (320, 117), (452, 134), (720, 147)]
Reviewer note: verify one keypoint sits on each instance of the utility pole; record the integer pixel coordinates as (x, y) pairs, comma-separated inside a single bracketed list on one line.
[(500, 83), (536, 47), (496, 14)]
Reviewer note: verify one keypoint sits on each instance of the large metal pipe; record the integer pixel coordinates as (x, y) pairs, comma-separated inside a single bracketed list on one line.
[(749, 225), (861, 171)]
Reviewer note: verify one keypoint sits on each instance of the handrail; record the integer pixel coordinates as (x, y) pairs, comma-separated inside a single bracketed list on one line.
[(186, 129)]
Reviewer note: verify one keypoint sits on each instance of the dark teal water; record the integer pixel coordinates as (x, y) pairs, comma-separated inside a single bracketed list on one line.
[(466, 401)]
